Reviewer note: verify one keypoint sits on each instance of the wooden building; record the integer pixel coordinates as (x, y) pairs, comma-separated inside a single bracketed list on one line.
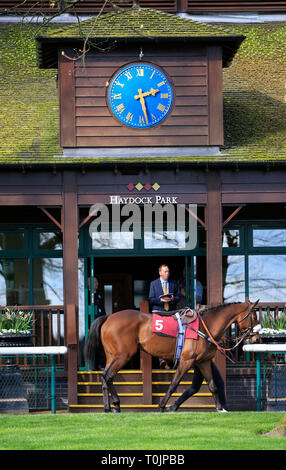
[(219, 144), (171, 6)]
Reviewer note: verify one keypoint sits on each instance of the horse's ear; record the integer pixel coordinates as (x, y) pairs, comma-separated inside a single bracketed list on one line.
[(254, 304)]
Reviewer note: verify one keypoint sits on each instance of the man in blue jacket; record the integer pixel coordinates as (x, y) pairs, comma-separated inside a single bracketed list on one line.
[(163, 295)]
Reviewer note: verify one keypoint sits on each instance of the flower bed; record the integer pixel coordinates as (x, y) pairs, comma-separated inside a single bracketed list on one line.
[(15, 322)]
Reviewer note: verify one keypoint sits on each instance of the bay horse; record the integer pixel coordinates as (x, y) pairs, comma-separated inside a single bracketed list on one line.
[(121, 333)]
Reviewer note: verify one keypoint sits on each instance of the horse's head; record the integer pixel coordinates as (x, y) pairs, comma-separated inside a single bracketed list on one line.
[(247, 321)]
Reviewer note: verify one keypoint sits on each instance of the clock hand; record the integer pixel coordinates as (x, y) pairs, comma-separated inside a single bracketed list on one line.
[(141, 96), (152, 92), (142, 101), (146, 93)]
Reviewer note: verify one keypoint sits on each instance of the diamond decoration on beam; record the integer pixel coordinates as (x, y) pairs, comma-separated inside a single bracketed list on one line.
[(139, 186), (130, 186), (156, 186), (147, 186)]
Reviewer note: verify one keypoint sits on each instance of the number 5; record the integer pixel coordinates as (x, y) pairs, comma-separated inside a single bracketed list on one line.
[(159, 325)]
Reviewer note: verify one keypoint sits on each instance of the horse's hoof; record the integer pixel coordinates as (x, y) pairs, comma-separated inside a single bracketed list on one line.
[(161, 408), (171, 408), (116, 410), (107, 410), (222, 411)]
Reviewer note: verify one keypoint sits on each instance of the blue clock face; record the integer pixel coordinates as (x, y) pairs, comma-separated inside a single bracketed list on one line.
[(140, 95)]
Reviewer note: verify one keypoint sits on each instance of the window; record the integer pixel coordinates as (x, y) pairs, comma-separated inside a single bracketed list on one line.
[(49, 241), (14, 282), (31, 267), (233, 279), (48, 281), (269, 237), (112, 240), (165, 239), (11, 240), (267, 278), (231, 238)]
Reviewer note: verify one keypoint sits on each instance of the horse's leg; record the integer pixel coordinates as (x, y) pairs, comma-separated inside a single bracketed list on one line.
[(108, 377), (206, 370), (194, 388), (183, 366), (219, 382), (105, 392)]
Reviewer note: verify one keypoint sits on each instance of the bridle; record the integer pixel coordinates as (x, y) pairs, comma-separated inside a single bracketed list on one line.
[(245, 333), (250, 318)]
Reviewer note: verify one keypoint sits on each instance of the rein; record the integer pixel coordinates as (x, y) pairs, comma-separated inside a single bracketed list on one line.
[(212, 340)]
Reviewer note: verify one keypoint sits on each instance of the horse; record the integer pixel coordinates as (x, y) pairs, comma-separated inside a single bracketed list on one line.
[(121, 333)]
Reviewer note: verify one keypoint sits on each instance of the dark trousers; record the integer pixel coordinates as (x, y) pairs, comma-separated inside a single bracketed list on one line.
[(196, 385), (218, 380)]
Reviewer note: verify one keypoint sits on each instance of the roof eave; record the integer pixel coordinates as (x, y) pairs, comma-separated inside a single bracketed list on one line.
[(47, 47)]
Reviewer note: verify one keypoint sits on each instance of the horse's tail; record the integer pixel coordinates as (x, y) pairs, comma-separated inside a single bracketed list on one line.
[(93, 347)]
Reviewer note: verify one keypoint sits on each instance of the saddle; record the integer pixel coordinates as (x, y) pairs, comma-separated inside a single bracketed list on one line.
[(187, 315), (176, 324)]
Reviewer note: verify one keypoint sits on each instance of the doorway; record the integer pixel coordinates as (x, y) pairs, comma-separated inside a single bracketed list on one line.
[(123, 282)]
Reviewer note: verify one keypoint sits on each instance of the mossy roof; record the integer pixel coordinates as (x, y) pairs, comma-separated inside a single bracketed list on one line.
[(254, 100), (142, 24)]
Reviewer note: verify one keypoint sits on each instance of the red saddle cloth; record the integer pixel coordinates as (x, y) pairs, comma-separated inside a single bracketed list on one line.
[(168, 326)]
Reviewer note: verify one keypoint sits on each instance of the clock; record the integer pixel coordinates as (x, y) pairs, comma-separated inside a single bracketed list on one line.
[(140, 95)]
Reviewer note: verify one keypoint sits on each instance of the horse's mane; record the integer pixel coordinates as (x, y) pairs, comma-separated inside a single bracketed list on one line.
[(214, 309)]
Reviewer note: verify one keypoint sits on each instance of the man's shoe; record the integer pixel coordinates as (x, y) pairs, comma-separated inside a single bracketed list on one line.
[(164, 365)]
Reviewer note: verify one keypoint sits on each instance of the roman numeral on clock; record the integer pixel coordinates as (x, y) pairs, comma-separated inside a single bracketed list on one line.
[(128, 75), (129, 117), (120, 108), (161, 107)]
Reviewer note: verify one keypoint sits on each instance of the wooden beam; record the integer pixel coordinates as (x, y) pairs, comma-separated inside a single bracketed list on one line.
[(70, 276), (90, 215), (215, 95), (71, 339), (70, 238), (214, 243), (146, 365), (196, 217), (233, 214), (9, 199), (214, 251), (58, 224), (67, 99)]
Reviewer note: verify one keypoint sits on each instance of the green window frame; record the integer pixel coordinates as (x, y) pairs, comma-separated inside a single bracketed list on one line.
[(30, 250), (247, 247)]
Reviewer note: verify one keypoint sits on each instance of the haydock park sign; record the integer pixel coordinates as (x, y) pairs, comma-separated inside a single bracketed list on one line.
[(158, 199), (156, 216)]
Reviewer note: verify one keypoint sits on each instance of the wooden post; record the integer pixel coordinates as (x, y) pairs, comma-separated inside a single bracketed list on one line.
[(146, 365), (215, 95), (214, 251), (70, 273), (67, 98), (72, 345)]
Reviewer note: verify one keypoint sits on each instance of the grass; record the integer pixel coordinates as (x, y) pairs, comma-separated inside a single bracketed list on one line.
[(139, 431)]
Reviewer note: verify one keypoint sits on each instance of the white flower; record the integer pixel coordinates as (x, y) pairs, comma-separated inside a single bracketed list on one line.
[(271, 331)]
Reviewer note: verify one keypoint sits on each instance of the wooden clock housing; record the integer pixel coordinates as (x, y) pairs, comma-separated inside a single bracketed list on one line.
[(191, 54), (195, 120)]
